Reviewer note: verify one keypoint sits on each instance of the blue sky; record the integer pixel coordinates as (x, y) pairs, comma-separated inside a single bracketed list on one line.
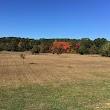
[(74, 19)]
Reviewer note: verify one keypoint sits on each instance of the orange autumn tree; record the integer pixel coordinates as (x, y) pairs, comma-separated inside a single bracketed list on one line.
[(20, 44), (60, 47)]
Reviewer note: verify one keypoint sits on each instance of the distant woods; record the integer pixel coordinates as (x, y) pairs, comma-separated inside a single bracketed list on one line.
[(79, 46)]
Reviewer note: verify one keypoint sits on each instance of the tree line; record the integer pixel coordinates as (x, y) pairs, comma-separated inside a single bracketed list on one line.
[(81, 46)]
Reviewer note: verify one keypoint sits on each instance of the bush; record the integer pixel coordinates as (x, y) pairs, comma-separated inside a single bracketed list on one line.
[(83, 50), (105, 50), (35, 49), (93, 50), (1, 49), (22, 56)]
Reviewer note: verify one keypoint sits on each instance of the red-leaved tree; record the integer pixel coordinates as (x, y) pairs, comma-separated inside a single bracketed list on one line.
[(60, 47), (77, 47)]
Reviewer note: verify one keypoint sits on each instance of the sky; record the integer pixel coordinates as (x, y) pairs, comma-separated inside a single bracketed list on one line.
[(74, 19)]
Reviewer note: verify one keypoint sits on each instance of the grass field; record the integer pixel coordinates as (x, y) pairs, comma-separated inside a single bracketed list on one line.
[(54, 82)]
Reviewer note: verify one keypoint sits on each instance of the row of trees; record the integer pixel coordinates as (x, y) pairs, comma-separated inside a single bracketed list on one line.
[(81, 46)]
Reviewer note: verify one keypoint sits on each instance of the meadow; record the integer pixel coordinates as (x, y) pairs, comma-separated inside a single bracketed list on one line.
[(54, 82)]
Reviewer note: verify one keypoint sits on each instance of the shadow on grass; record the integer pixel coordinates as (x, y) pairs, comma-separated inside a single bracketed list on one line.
[(69, 66), (32, 63)]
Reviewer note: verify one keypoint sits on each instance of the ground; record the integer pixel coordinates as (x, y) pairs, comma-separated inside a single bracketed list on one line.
[(54, 82)]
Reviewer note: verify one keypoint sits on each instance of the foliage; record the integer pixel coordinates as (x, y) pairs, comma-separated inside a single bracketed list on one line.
[(77, 47), (93, 50), (99, 42), (22, 56), (86, 44), (60, 47), (83, 50), (1, 48), (47, 48), (52, 45), (42, 48), (105, 50), (35, 49)]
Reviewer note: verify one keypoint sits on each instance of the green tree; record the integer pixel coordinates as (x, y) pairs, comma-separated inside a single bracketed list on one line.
[(83, 50), (1, 46), (105, 50), (35, 49), (42, 48), (99, 42), (86, 44), (93, 50)]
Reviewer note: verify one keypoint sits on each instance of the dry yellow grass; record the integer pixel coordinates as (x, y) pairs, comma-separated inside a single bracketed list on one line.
[(48, 68)]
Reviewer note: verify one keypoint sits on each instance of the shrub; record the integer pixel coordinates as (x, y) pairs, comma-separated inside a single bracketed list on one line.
[(83, 50), (105, 50), (93, 50), (22, 56), (35, 49)]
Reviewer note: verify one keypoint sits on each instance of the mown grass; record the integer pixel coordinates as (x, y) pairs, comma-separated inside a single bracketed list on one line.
[(80, 95), (83, 82)]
